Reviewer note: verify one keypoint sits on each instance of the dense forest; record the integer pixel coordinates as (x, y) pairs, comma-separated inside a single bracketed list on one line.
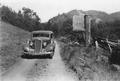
[(61, 25)]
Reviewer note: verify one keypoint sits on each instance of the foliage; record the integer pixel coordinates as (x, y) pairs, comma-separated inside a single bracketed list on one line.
[(67, 27), (25, 18), (108, 30), (89, 63), (61, 25), (114, 29), (99, 29)]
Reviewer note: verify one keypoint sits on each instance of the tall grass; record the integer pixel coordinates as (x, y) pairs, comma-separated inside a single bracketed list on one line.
[(89, 63), (11, 42)]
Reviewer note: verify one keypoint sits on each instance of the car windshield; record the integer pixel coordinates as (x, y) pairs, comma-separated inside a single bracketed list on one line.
[(40, 35)]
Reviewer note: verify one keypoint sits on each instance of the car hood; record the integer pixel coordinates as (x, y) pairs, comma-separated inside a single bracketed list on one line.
[(41, 38)]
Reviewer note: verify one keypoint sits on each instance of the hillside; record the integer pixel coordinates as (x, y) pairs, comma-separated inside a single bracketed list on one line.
[(64, 21), (11, 42), (115, 15), (94, 13), (65, 16), (99, 14)]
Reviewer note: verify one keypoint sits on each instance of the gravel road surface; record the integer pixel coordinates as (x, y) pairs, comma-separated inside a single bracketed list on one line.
[(40, 70)]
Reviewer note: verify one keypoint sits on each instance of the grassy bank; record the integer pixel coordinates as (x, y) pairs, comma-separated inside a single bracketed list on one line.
[(89, 63), (11, 41)]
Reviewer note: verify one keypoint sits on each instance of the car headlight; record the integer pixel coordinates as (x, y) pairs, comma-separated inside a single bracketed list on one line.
[(45, 43), (51, 47), (26, 49)]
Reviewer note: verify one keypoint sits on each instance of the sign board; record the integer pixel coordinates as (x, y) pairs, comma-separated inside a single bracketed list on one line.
[(78, 22)]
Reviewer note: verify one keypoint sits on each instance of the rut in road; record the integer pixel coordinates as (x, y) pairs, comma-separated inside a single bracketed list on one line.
[(46, 70)]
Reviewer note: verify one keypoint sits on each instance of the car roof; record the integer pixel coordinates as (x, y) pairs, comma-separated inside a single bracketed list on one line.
[(41, 38), (42, 31)]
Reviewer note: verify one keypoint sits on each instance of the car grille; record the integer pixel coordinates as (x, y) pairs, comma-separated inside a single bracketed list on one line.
[(37, 46)]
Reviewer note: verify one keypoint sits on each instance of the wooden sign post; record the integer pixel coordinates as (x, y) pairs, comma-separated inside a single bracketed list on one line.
[(82, 22)]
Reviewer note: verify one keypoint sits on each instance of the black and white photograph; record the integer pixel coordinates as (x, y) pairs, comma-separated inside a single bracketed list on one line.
[(59, 40)]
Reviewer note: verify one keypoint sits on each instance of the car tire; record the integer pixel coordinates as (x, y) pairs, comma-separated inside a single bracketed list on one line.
[(51, 56), (26, 56)]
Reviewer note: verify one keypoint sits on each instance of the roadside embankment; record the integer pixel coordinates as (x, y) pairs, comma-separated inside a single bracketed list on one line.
[(89, 63), (12, 39)]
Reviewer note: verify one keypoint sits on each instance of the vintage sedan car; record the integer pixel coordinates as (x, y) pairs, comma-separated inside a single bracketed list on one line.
[(41, 44)]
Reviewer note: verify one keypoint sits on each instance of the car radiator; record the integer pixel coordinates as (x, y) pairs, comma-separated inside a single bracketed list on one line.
[(38, 46)]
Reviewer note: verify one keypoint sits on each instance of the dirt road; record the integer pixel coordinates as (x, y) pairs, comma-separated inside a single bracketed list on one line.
[(41, 70)]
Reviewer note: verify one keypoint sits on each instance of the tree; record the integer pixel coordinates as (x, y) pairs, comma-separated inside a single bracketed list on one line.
[(67, 27), (31, 18), (25, 18), (99, 29)]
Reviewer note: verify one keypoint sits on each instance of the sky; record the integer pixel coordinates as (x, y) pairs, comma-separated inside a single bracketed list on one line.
[(47, 9)]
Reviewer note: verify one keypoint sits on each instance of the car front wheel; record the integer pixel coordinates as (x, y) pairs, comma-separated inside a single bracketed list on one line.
[(51, 55)]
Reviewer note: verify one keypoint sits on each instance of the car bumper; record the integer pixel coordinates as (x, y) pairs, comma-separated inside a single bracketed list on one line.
[(38, 55), (41, 53)]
